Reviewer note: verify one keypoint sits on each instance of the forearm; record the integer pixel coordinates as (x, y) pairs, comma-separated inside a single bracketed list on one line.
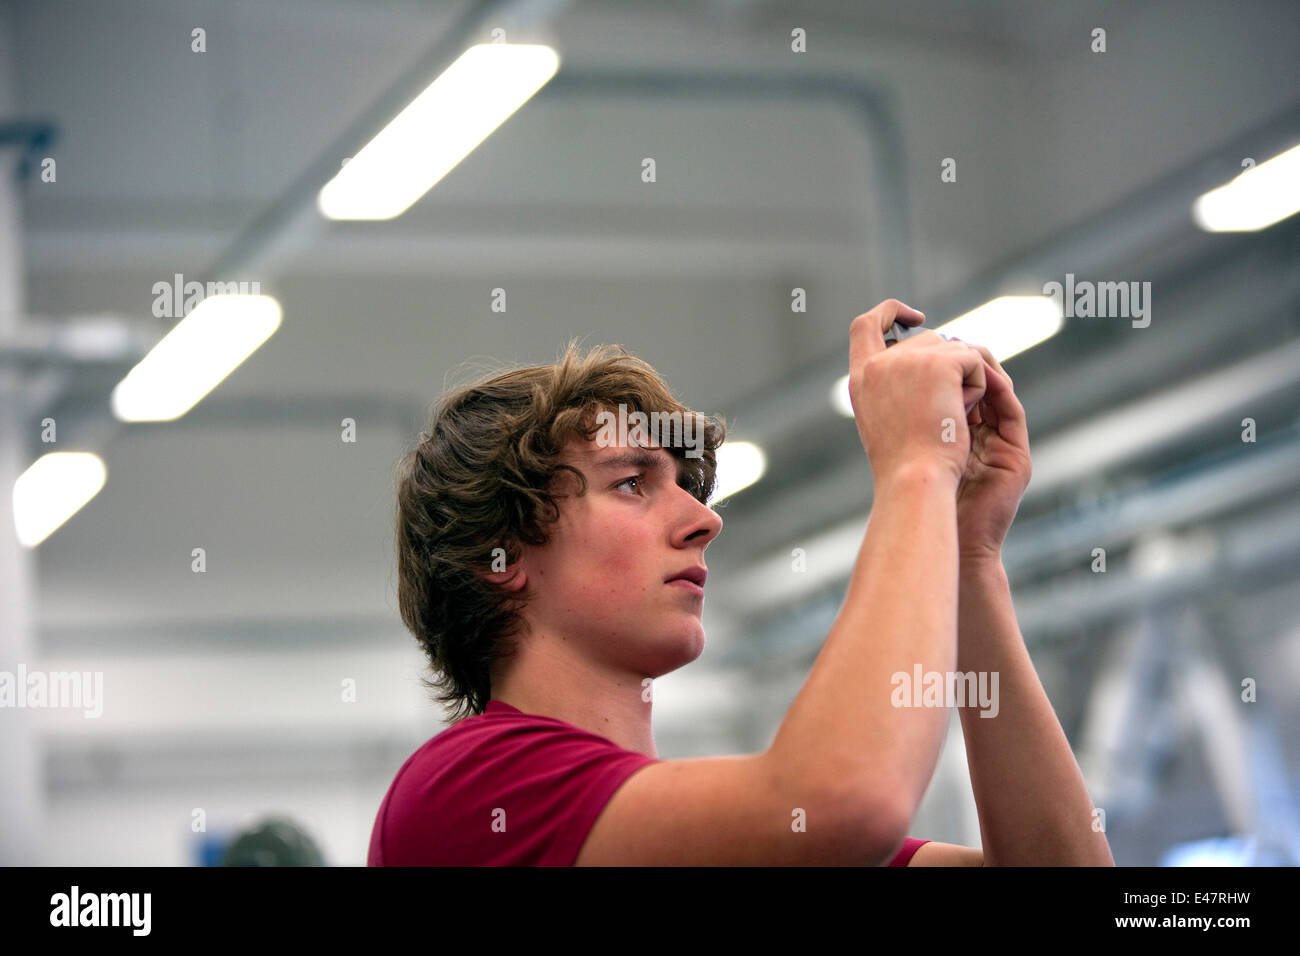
[(1034, 808), (842, 729)]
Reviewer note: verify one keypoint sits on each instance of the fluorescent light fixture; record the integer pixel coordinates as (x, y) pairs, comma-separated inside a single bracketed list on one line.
[(1006, 326), (195, 356), (439, 128), (52, 490), (1259, 197), (840, 400), (740, 464)]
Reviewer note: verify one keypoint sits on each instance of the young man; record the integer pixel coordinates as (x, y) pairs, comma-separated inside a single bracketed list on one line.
[(551, 574)]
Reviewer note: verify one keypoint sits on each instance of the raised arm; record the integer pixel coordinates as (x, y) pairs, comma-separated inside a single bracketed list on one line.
[(847, 768)]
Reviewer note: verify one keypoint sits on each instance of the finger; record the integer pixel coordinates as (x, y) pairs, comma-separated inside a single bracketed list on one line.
[(867, 333), (1002, 396), (991, 359), (1005, 413), (999, 381), (902, 329), (974, 380)]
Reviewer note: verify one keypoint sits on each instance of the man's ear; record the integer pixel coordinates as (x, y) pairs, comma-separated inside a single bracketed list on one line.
[(509, 577)]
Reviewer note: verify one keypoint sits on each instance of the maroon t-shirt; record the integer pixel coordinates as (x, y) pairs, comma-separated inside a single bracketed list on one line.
[(505, 788)]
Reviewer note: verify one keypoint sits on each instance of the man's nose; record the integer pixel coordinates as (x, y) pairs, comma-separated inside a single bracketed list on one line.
[(705, 523)]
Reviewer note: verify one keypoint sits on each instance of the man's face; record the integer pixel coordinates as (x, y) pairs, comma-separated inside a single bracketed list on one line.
[(601, 579)]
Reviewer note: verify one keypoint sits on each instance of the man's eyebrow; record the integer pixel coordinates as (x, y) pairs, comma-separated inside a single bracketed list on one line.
[(637, 459)]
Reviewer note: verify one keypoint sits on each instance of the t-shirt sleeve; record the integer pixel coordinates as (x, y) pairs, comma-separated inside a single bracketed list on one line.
[(525, 795), (581, 794), (909, 848)]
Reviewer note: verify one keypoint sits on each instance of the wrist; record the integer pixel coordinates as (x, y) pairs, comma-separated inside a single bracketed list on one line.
[(928, 475), (973, 560)]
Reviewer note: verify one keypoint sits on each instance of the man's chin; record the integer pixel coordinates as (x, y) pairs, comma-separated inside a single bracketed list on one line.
[(679, 652)]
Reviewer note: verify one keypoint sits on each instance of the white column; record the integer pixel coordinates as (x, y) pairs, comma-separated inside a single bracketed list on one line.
[(21, 771)]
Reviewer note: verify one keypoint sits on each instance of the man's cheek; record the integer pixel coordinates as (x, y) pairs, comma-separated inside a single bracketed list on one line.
[(609, 549)]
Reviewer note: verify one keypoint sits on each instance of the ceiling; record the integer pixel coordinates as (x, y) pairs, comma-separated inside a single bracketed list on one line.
[(773, 174)]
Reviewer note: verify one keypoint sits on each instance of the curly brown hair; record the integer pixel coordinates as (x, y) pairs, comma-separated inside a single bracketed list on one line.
[(482, 477)]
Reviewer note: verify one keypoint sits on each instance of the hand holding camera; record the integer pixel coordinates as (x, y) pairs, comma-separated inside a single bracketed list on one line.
[(912, 394)]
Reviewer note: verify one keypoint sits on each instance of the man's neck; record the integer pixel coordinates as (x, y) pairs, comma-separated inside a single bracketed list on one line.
[(545, 681)]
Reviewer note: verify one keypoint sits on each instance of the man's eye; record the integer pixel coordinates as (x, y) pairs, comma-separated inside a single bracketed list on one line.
[(636, 478)]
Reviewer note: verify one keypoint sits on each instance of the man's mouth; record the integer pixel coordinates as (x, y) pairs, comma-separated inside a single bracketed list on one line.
[(691, 578)]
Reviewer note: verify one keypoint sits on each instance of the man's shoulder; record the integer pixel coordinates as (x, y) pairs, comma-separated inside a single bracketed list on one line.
[(470, 738), (536, 778), (467, 752)]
